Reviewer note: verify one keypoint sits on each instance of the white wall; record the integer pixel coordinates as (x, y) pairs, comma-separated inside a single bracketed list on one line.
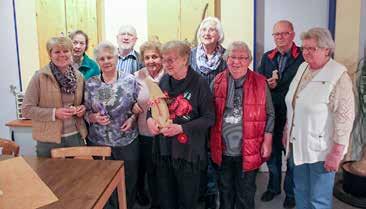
[(122, 12), (303, 15), (9, 67)]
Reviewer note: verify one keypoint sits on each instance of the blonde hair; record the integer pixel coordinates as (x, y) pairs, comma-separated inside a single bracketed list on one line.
[(149, 45), (63, 42)]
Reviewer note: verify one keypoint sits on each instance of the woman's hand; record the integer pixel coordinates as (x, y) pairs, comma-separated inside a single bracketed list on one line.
[(266, 148), (171, 130), (127, 125), (153, 126), (334, 157), (136, 109), (98, 118), (63, 113), (80, 111)]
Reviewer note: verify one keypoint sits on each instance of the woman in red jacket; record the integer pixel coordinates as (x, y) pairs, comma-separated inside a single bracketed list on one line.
[(241, 139)]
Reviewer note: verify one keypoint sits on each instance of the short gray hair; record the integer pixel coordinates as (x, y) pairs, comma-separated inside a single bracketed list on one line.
[(289, 24), (182, 47), (215, 22), (322, 36), (235, 46), (105, 45), (128, 29)]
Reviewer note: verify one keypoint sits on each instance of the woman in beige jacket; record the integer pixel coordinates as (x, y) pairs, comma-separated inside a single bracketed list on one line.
[(53, 101)]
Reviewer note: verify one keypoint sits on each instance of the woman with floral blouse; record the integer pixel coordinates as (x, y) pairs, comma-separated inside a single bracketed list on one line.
[(109, 98)]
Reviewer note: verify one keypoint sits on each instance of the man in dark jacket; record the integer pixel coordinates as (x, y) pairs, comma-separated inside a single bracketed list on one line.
[(279, 66)]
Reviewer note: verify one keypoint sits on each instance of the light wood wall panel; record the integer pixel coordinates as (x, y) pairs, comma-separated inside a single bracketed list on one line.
[(172, 20), (192, 12), (82, 14), (50, 22)]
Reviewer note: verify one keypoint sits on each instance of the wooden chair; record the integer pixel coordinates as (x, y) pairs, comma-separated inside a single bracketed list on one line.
[(83, 152), (9, 147)]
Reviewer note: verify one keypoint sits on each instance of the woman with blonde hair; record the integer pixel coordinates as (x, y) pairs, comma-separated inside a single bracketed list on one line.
[(53, 100)]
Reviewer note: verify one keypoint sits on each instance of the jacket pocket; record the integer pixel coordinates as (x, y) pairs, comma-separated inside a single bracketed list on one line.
[(317, 142)]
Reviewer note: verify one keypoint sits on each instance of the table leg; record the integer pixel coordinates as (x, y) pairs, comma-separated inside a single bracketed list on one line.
[(121, 188)]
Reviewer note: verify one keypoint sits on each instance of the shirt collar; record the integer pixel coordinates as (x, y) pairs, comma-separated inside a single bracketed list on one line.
[(132, 54), (294, 51)]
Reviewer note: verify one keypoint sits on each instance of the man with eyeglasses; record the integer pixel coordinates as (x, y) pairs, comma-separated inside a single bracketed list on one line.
[(279, 66), (128, 58)]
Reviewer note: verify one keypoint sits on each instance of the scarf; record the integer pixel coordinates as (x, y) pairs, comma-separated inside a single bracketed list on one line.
[(175, 87), (208, 65), (232, 85), (67, 81)]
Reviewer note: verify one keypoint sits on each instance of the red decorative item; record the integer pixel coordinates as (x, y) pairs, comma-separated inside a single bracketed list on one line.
[(179, 107), (182, 138)]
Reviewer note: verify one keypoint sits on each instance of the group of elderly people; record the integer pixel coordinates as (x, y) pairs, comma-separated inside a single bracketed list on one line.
[(226, 119)]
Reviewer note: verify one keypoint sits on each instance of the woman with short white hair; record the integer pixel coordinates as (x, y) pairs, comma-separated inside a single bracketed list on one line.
[(320, 114)]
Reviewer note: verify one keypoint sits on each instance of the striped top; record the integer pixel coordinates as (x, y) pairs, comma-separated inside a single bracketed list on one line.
[(129, 63)]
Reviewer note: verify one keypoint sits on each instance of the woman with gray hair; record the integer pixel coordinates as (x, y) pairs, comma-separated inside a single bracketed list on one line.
[(109, 98), (320, 114), (241, 139), (206, 59), (179, 148)]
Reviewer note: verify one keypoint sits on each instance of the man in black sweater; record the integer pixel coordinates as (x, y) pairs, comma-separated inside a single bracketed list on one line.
[(280, 65)]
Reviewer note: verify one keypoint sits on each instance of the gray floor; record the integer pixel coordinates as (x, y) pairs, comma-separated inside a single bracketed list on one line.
[(277, 202)]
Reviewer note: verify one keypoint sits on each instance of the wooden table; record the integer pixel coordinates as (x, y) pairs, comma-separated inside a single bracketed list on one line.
[(81, 184)]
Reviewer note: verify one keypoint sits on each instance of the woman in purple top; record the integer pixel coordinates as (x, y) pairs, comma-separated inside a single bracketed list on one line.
[(109, 98)]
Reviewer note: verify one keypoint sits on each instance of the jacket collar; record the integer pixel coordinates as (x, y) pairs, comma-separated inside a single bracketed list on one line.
[(295, 52)]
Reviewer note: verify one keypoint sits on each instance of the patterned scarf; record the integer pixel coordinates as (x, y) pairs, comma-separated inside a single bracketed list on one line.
[(206, 65), (67, 81)]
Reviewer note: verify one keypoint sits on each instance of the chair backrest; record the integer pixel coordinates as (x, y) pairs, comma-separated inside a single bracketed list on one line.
[(83, 152), (9, 147)]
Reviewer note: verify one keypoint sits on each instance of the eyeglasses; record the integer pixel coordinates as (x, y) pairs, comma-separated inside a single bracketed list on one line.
[(282, 34), (169, 60), (239, 58), (309, 49)]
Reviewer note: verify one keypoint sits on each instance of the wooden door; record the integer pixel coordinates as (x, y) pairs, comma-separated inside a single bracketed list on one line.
[(60, 17), (82, 15)]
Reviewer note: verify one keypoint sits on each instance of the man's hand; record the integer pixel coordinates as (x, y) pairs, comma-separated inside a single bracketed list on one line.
[(272, 83)]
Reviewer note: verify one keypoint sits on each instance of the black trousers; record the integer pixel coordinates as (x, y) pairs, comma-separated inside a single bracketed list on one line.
[(130, 155), (147, 168), (237, 188), (178, 188)]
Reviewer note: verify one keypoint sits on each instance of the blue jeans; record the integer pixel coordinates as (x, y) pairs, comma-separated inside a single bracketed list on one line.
[(313, 186), (275, 173)]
